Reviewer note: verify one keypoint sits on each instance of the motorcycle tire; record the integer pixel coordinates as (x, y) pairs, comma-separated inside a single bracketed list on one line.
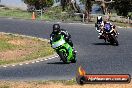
[(63, 57), (74, 59), (115, 40)]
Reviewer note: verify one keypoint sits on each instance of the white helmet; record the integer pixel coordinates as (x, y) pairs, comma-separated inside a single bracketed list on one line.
[(99, 19)]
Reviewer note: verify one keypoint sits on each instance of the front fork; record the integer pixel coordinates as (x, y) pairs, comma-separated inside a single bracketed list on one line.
[(66, 54)]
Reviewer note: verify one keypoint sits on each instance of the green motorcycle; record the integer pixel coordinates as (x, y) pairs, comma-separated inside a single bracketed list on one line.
[(63, 49)]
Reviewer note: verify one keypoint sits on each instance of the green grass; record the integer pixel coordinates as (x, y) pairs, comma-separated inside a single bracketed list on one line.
[(122, 24), (34, 48), (16, 13), (65, 82), (4, 86), (34, 84), (6, 46), (52, 14), (41, 51)]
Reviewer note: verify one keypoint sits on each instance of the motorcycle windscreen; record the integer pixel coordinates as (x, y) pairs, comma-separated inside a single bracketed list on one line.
[(107, 27), (58, 43)]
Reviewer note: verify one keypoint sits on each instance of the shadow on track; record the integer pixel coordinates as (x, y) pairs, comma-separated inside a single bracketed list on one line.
[(101, 43), (61, 63)]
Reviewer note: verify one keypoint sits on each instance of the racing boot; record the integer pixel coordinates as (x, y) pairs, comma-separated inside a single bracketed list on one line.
[(74, 50)]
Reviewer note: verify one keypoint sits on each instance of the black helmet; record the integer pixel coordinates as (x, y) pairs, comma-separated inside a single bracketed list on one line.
[(56, 28)]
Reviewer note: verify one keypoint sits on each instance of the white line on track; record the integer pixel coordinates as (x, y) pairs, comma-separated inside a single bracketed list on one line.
[(37, 61), (47, 21), (42, 60), (33, 62), (58, 22), (20, 64), (45, 59), (13, 65), (4, 66), (71, 23), (49, 58), (27, 63)]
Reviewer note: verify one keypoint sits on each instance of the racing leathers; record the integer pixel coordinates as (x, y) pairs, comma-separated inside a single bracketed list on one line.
[(107, 26), (67, 36)]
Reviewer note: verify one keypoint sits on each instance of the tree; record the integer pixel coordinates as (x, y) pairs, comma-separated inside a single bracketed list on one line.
[(69, 4), (74, 5), (88, 7), (63, 4), (38, 4), (123, 7)]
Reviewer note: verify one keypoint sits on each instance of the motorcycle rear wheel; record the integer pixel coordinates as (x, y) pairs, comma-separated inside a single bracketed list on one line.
[(74, 58)]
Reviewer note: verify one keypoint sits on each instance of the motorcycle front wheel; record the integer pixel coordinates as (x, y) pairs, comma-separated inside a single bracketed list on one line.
[(63, 57), (114, 40)]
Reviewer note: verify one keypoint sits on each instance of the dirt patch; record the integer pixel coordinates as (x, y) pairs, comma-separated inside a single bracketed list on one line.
[(86, 86), (13, 54), (23, 42), (17, 42), (18, 52), (2, 36), (59, 85), (15, 48)]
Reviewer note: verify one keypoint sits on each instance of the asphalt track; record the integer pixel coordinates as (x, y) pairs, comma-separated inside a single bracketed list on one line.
[(93, 55)]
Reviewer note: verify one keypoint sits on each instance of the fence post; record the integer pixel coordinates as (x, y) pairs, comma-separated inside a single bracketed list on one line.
[(128, 20), (41, 14), (83, 17)]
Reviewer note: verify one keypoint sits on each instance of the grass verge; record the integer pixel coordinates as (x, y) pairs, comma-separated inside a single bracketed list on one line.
[(122, 24), (51, 14), (15, 48), (15, 13)]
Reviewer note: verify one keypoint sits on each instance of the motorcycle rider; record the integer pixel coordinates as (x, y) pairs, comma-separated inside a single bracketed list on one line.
[(107, 26), (98, 26), (57, 30), (98, 23)]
